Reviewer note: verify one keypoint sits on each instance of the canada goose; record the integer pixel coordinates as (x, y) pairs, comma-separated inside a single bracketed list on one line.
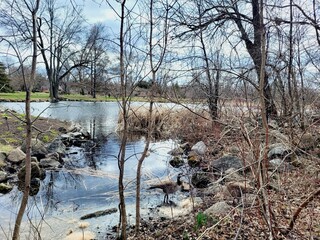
[(168, 188)]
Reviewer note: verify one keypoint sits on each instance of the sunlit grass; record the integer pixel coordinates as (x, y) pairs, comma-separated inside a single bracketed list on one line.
[(6, 148), (43, 96), (21, 96)]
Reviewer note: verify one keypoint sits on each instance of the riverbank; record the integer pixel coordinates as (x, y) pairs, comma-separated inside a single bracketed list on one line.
[(12, 128), (293, 178)]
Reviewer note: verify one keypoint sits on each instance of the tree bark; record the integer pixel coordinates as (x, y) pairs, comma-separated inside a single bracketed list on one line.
[(28, 86)]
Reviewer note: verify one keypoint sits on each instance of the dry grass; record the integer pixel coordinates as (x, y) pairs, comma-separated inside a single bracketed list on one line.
[(173, 123)]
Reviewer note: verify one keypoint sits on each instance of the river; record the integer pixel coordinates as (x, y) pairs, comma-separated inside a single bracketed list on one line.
[(89, 182)]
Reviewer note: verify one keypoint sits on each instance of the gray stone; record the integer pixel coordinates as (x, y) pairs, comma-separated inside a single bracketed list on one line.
[(75, 134), (35, 172), (218, 209), (278, 151), (201, 179), (176, 151), (176, 162), (56, 146), (5, 188), (3, 158), (3, 176), (232, 175), (49, 163), (37, 147), (16, 156), (65, 137), (200, 148), (226, 162)]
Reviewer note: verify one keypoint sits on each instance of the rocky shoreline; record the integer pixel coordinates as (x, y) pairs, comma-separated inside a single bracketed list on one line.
[(50, 156)]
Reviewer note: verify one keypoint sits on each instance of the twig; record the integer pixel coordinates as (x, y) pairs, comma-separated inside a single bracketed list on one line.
[(300, 208)]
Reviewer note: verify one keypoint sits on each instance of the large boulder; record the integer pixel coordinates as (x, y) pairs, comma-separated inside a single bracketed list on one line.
[(201, 179), (35, 172), (16, 156), (226, 162), (56, 146), (38, 148), (51, 161)]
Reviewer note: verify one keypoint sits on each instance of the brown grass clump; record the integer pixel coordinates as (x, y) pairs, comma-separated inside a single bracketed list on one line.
[(174, 123)]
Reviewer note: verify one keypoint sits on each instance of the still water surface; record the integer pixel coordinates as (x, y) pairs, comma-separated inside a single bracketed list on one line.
[(88, 181)]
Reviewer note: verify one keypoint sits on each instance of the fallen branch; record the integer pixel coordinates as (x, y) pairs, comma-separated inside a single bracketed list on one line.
[(300, 208)]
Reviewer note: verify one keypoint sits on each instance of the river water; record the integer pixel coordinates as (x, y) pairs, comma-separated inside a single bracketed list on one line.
[(88, 183)]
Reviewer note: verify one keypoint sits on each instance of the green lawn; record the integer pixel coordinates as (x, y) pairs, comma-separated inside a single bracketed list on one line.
[(41, 96), (21, 96)]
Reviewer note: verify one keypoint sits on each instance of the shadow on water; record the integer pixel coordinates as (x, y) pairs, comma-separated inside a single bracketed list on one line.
[(88, 181)]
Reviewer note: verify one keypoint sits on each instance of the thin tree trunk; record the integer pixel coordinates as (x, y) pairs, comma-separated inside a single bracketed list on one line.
[(122, 153), (24, 201)]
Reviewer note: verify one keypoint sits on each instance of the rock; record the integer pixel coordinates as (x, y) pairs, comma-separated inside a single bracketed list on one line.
[(62, 129), (86, 135), (248, 200), (65, 137), (307, 142), (16, 156), (273, 124), (276, 136), (51, 163), (35, 172), (226, 162), (74, 128), (56, 146), (3, 158), (5, 188), (279, 165), (218, 209), (37, 147), (237, 189), (201, 179), (34, 186), (200, 148), (3, 176), (186, 147), (193, 159), (75, 134), (278, 150), (176, 151), (232, 175), (214, 188), (176, 162)]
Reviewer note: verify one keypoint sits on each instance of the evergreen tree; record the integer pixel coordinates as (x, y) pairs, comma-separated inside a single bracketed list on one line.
[(4, 80)]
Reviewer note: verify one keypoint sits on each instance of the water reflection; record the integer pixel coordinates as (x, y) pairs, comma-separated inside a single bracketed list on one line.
[(89, 178)]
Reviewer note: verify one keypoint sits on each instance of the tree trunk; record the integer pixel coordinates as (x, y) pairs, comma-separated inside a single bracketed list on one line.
[(24, 201), (122, 153)]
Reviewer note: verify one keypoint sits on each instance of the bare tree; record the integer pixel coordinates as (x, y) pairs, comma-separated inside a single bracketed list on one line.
[(59, 30), (157, 44), (218, 14), (18, 26)]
